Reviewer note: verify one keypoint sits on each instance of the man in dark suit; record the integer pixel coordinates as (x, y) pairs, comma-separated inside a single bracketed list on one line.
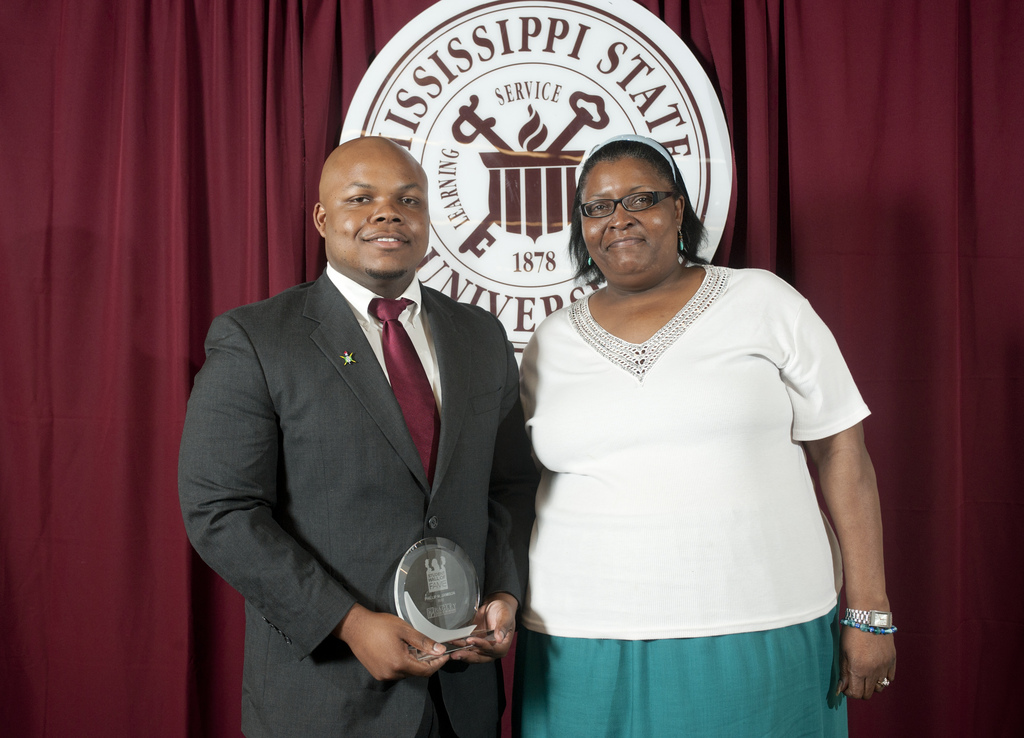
[(302, 485)]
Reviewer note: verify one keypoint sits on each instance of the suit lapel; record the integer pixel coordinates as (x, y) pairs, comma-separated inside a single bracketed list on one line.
[(339, 332), (454, 356)]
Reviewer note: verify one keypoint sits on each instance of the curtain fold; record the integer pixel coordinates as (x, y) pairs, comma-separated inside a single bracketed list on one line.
[(159, 163)]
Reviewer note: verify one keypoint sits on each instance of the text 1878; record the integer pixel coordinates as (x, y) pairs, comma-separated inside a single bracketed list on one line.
[(535, 261)]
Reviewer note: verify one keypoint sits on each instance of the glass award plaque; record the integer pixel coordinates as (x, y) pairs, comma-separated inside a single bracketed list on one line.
[(437, 591)]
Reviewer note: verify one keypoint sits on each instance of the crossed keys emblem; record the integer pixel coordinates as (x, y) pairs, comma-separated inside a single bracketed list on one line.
[(528, 191)]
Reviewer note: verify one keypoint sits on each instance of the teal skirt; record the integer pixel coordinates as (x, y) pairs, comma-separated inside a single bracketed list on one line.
[(778, 682)]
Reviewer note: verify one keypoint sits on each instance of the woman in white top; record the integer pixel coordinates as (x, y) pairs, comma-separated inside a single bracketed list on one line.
[(681, 575)]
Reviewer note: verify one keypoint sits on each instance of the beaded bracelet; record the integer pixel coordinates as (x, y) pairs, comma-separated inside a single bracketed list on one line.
[(868, 628)]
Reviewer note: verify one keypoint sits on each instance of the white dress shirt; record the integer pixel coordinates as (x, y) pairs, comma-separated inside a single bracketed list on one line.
[(412, 319)]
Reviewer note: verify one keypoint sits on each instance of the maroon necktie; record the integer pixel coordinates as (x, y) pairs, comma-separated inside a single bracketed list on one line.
[(409, 381)]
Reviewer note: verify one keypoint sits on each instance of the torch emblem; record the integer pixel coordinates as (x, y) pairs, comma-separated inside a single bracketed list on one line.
[(528, 191)]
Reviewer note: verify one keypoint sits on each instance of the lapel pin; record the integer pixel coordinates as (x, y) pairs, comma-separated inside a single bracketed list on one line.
[(348, 357)]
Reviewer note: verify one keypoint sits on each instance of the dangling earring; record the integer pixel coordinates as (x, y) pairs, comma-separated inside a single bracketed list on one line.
[(682, 247), (590, 262)]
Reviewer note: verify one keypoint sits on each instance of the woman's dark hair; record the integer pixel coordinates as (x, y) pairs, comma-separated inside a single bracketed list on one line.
[(692, 229)]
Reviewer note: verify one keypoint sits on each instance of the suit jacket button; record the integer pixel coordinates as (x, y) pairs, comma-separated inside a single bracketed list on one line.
[(433, 521)]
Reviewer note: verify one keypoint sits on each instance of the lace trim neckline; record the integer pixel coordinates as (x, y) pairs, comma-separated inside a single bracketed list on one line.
[(638, 359)]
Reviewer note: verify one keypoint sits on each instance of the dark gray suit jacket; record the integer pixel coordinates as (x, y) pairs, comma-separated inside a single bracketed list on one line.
[(301, 486)]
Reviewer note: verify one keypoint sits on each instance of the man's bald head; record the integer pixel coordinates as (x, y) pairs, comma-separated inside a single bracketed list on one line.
[(367, 148)]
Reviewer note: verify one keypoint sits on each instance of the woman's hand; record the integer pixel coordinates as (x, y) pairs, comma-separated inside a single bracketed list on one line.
[(867, 660)]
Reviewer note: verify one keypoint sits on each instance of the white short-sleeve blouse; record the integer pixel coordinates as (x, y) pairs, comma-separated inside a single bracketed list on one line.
[(675, 499)]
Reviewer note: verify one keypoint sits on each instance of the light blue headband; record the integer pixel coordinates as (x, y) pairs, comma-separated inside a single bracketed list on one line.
[(650, 142)]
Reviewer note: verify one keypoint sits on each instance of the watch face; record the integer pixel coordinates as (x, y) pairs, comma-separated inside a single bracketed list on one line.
[(880, 619)]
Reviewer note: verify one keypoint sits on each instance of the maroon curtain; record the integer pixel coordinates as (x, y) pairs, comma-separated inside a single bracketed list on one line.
[(158, 165)]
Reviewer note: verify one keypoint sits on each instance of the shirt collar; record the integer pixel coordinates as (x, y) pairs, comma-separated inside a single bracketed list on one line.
[(359, 297)]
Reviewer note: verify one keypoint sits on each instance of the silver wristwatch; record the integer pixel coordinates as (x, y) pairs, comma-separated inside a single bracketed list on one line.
[(873, 618)]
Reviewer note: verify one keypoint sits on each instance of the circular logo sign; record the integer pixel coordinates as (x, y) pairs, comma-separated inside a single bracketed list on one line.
[(500, 101)]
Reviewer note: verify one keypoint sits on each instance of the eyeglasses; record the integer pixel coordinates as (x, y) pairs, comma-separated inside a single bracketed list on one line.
[(633, 203)]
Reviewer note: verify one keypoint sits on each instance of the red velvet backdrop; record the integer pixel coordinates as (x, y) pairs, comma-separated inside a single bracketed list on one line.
[(158, 163)]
